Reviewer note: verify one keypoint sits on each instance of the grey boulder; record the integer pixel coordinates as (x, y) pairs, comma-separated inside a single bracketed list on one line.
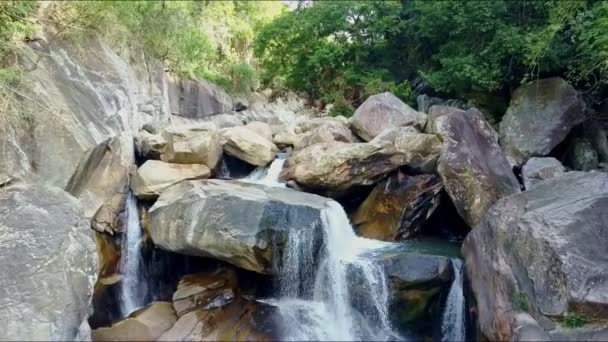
[(48, 264), (382, 111), (540, 116), (240, 223), (539, 169), (472, 166), (542, 253)]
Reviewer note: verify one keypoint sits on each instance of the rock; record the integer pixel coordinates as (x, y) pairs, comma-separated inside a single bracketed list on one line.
[(150, 146), (539, 169), (146, 324), (285, 139), (539, 117), (241, 320), (151, 127), (233, 221), (85, 93), (48, 263), (397, 207), (325, 133), (102, 173), (542, 251), (155, 176), (339, 166), (110, 216), (382, 111), (436, 112), (310, 124), (225, 120), (248, 146), (205, 290), (198, 99), (198, 144), (261, 128), (390, 135), (417, 286), (421, 151), (582, 156), (472, 166)]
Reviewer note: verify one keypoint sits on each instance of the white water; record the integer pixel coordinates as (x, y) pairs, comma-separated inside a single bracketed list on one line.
[(348, 299), (267, 175), (132, 293), (453, 320)]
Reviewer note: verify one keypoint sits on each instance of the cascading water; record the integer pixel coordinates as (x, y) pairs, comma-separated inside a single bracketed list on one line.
[(132, 287), (453, 324), (329, 308), (268, 175)]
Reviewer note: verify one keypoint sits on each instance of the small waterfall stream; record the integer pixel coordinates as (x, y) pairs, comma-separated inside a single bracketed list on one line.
[(453, 324), (319, 304), (132, 288), (268, 175)]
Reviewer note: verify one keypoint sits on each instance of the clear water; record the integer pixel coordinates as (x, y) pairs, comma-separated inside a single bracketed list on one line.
[(268, 175), (320, 303), (132, 287), (453, 324)]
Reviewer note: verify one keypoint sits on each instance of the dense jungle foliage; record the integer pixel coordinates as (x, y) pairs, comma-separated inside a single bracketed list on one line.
[(342, 51)]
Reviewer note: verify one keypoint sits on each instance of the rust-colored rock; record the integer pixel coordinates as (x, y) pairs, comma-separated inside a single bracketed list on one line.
[(205, 290), (398, 206)]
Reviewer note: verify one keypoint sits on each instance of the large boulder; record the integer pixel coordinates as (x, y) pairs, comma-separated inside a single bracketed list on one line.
[(540, 116), (339, 166), (237, 222), (146, 324), (240, 320), (397, 207), (48, 264), (325, 133), (248, 146), (473, 167), (541, 255), (198, 99), (155, 176), (102, 173), (198, 144), (539, 169), (382, 111)]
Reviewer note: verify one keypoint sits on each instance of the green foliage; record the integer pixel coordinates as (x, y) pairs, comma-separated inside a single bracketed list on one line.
[(211, 39), (575, 320), (346, 50), (520, 300)]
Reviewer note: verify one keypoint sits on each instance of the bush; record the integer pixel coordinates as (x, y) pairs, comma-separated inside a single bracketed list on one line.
[(575, 320)]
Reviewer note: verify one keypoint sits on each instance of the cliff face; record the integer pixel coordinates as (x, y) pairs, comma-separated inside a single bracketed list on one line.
[(76, 95), (80, 103)]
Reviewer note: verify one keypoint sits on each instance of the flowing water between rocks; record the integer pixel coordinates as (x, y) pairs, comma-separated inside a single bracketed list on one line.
[(453, 324), (133, 288), (268, 175), (339, 293)]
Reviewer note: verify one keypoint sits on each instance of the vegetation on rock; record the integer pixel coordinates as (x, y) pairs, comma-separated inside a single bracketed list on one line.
[(344, 51)]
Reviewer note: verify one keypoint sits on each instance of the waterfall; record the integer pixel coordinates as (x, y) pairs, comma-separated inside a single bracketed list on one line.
[(268, 175), (453, 326), (132, 291), (345, 298)]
